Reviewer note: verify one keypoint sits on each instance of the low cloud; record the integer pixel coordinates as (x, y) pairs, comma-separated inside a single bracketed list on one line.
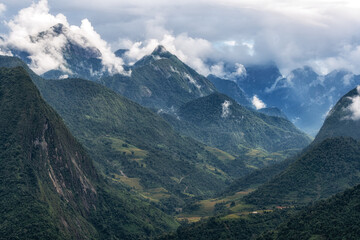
[(2, 8), (190, 50), (318, 33), (258, 104), (225, 106), (354, 107), (46, 53)]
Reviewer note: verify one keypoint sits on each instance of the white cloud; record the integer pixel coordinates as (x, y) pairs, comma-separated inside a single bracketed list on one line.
[(354, 107), (187, 49), (47, 53), (258, 104), (320, 33), (2, 8), (225, 106)]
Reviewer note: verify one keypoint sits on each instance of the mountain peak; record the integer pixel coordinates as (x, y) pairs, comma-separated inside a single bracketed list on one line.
[(160, 49), (343, 119)]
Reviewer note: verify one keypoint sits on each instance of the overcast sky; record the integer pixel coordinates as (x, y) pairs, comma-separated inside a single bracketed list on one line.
[(206, 34)]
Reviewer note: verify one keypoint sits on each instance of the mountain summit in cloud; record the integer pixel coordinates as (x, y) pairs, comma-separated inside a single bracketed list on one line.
[(50, 43)]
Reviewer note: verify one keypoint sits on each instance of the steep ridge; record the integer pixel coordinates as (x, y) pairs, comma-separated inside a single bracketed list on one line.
[(343, 119), (160, 81), (49, 187)]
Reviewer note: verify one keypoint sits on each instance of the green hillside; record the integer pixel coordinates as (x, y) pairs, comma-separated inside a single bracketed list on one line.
[(336, 218), (49, 187), (325, 169), (219, 121), (133, 145)]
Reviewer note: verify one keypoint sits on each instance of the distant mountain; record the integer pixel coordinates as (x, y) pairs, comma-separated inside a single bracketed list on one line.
[(258, 78), (335, 218), (49, 186), (343, 119), (303, 95), (81, 58), (160, 81), (121, 52), (219, 121), (329, 166), (231, 89)]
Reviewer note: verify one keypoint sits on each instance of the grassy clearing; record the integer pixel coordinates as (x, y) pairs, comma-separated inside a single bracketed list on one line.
[(132, 151), (221, 155)]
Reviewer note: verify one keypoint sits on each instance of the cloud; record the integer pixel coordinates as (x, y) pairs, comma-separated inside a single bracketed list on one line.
[(46, 53), (190, 50), (258, 104), (225, 109), (322, 34), (354, 107), (2, 8)]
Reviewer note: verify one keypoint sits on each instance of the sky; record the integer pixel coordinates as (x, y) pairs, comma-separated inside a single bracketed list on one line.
[(208, 35)]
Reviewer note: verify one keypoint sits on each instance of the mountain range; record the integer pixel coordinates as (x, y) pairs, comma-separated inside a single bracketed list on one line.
[(128, 154)]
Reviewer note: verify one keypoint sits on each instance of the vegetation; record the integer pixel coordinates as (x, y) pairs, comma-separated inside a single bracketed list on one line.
[(49, 187), (325, 169), (127, 140), (244, 227), (238, 131), (335, 218)]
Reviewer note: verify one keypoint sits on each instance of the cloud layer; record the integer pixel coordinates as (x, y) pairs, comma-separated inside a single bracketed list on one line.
[(46, 53), (210, 34)]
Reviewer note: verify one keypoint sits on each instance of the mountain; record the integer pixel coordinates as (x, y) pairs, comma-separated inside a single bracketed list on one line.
[(330, 165), (258, 78), (231, 89), (343, 119), (49, 186), (219, 121), (303, 95), (134, 145), (160, 81), (334, 218), (79, 56)]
